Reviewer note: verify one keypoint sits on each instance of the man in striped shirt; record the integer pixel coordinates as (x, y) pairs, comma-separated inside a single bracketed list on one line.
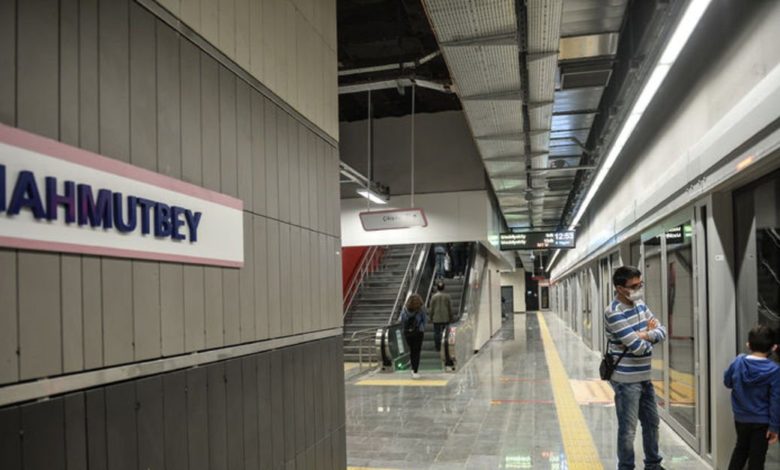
[(632, 328)]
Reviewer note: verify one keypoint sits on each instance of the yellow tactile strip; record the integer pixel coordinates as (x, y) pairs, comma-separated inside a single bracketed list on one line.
[(578, 444), (592, 392), (402, 382)]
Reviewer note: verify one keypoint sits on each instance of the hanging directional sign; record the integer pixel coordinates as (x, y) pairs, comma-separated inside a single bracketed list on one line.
[(393, 219), (537, 240)]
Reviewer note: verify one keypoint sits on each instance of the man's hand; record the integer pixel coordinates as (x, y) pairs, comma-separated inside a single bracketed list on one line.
[(652, 324), (643, 335), (771, 437)]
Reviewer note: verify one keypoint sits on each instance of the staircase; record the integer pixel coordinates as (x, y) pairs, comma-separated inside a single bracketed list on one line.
[(429, 357), (375, 299)]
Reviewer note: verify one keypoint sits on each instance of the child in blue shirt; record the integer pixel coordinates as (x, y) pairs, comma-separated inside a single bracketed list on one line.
[(754, 381)]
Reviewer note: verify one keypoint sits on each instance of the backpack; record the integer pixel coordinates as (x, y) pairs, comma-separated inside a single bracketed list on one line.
[(411, 324)]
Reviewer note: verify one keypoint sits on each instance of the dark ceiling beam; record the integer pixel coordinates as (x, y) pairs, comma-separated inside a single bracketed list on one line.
[(504, 39)]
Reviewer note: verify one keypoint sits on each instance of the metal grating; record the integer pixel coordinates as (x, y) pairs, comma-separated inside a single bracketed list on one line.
[(465, 19), (482, 69)]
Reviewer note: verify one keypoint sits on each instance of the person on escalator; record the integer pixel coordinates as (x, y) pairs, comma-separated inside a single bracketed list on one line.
[(413, 318), (441, 313), (440, 250)]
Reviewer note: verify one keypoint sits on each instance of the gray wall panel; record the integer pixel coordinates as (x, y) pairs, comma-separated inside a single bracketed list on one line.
[(276, 379), (149, 396), (285, 254), (288, 391), (117, 311), (217, 407), (88, 76), (172, 296), (294, 171), (175, 420), (322, 219), (260, 252), (194, 308), (146, 309), (43, 441), (298, 267), (244, 144), (227, 131), (97, 449), (316, 280), (271, 160), (9, 342), (169, 158), (313, 188), (246, 281), (121, 427), (322, 301), (250, 399), (274, 278), (37, 68), (326, 387), (143, 106), (303, 174), (283, 159), (310, 351), (298, 398), (209, 102), (8, 62), (230, 307), (305, 280), (265, 430), (234, 388), (10, 439), (197, 419), (40, 330), (258, 153), (75, 431), (319, 396), (72, 322), (92, 297), (215, 333), (69, 71), (190, 73), (114, 79)]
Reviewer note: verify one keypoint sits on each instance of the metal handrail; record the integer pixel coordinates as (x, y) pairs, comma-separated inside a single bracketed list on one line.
[(366, 266), (466, 275), (366, 334), (403, 284)]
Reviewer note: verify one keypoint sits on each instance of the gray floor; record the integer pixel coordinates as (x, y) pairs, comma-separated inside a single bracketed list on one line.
[(495, 413)]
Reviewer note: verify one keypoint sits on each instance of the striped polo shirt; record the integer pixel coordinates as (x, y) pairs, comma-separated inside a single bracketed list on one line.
[(622, 323)]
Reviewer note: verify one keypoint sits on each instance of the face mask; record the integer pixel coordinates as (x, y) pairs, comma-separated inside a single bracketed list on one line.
[(636, 295)]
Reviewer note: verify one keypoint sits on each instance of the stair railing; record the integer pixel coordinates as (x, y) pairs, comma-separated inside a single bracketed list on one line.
[(368, 264), (404, 283), (365, 338)]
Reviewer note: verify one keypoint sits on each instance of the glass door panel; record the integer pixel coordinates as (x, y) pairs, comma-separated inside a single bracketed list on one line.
[(586, 308), (680, 325), (757, 227), (653, 279)]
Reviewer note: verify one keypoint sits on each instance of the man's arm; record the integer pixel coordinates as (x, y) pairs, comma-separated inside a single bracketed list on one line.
[(656, 331), (617, 325)]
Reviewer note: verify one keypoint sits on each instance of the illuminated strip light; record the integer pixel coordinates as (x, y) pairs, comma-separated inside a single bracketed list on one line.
[(552, 260), (679, 38), (371, 196)]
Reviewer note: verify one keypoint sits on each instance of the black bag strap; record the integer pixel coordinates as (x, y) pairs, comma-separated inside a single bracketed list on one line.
[(606, 342)]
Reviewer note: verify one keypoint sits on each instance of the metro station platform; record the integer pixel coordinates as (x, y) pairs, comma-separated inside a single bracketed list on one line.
[(530, 399)]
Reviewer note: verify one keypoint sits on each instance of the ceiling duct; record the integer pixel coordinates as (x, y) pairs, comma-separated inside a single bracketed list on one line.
[(523, 128)]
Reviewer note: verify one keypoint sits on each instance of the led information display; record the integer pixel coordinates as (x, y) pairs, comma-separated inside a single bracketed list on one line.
[(537, 240)]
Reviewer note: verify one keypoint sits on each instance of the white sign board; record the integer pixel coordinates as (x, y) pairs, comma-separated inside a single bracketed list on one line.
[(54, 197), (393, 219)]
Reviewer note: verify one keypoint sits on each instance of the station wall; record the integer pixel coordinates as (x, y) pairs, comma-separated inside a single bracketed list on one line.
[(111, 77), (289, 45)]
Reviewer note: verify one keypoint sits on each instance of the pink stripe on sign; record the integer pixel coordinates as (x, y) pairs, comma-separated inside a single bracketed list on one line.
[(52, 148), (60, 247)]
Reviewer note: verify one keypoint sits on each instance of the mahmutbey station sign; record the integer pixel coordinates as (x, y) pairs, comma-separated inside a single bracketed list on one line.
[(54, 197)]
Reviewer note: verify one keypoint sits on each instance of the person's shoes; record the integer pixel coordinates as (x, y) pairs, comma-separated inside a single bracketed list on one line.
[(415, 375)]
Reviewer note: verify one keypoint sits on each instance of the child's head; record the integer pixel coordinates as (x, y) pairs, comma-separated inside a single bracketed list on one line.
[(761, 339)]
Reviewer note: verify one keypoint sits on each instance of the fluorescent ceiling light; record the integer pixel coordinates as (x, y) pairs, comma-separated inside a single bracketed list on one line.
[(552, 260), (371, 196), (679, 38)]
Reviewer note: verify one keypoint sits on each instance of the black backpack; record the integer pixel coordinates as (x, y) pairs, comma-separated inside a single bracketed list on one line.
[(411, 324)]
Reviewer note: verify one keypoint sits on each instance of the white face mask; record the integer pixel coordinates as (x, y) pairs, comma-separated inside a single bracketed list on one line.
[(636, 295)]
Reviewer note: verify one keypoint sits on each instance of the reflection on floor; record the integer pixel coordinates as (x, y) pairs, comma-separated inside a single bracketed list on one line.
[(500, 411)]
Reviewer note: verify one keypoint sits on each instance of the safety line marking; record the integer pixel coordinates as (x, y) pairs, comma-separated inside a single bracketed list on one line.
[(578, 443), (402, 382), (521, 402)]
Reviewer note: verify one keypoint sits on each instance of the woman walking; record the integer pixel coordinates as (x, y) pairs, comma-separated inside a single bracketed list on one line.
[(413, 318)]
